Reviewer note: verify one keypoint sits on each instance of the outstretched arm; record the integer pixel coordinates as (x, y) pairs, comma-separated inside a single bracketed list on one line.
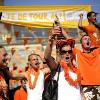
[(11, 76)]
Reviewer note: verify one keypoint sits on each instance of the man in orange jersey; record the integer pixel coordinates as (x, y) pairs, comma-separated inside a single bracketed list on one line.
[(92, 30), (88, 62)]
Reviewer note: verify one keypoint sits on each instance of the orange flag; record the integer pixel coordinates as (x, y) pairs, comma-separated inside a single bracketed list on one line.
[(38, 40), (8, 39), (25, 41), (7, 26), (16, 33), (29, 29)]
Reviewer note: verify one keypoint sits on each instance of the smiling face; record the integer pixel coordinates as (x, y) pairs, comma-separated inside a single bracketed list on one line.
[(33, 61), (66, 53)]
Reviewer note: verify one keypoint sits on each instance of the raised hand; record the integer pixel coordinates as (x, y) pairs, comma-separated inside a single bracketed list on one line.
[(81, 16)]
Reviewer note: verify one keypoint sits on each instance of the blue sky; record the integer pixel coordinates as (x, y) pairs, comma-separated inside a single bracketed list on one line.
[(46, 2), (94, 3)]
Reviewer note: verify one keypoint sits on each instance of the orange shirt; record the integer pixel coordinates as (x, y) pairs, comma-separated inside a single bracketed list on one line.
[(20, 94), (89, 66), (91, 31)]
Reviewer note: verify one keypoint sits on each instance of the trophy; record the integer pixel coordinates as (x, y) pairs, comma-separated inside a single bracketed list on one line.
[(56, 25)]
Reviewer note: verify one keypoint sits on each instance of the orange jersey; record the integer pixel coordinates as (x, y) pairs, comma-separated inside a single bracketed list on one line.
[(20, 95), (89, 66), (91, 31)]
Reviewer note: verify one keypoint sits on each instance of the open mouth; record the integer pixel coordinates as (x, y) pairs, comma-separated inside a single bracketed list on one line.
[(67, 58), (88, 43), (37, 63)]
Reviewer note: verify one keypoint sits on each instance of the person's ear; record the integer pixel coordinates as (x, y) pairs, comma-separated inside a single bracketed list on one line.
[(88, 17)]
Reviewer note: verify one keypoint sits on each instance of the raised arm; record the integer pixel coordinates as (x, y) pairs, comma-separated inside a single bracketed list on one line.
[(80, 25), (51, 62)]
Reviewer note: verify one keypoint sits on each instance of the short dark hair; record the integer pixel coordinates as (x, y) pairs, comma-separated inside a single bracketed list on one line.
[(90, 13)]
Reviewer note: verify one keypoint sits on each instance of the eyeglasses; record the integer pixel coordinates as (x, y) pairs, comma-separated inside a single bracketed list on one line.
[(64, 51)]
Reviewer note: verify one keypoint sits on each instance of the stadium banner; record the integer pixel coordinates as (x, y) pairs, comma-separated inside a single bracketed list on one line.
[(44, 16)]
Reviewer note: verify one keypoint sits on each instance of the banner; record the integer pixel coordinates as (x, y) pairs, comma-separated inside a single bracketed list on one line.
[(68, 15)]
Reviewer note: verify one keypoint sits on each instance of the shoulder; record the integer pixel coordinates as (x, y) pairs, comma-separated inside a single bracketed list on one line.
[(17, 92), (75, 50), (45, 70), (90, 27), (96, 51)]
